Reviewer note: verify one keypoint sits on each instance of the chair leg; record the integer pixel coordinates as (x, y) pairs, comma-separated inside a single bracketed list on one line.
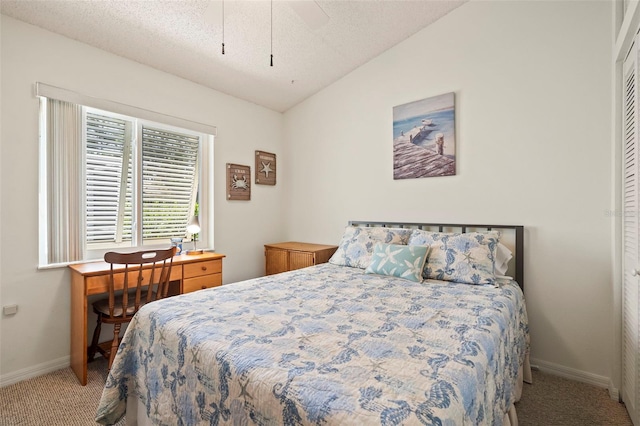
[(115, 343), (91, 352)]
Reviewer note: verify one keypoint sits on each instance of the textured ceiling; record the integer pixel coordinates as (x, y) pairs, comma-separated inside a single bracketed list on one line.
[(314, 42)]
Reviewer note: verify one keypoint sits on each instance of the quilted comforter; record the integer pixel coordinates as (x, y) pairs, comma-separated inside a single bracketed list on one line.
[(323, 345)]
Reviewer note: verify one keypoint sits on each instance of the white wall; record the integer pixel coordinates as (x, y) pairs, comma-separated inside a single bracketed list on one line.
[(38, 336), (532, 82)]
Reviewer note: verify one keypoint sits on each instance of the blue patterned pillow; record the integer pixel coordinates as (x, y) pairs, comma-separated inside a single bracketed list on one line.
[(357, 244), (398, 261), (464, 258)]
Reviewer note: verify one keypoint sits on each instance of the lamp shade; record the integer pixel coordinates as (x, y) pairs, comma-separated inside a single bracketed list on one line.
[(193, 227)]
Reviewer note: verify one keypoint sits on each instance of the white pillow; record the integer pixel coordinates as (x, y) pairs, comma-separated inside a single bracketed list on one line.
[(503, 256)]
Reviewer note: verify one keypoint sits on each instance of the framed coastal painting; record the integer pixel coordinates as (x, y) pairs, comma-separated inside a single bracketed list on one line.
[(424, 140)]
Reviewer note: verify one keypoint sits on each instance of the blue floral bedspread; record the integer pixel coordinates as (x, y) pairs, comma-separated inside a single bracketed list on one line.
[(323, 345)]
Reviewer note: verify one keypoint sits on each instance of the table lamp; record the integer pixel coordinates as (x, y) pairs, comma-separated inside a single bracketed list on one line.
[(193, 227)]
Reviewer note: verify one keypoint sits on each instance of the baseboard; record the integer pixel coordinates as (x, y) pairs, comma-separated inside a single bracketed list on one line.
[(577, 375), (614, 393), (35, 371)]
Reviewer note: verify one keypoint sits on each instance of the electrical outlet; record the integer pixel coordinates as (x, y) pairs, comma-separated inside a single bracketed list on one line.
[(10, 309)]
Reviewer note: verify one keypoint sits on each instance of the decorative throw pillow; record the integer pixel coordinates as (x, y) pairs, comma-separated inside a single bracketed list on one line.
[(465, 258), (357, 244), (398, 261)]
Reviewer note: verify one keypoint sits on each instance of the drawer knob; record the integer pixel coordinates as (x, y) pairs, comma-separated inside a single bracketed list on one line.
[(204, 286), (204, 268)]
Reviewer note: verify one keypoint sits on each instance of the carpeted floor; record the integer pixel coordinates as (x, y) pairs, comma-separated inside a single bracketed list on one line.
[(54, 399), (58, 399), (552, 400)]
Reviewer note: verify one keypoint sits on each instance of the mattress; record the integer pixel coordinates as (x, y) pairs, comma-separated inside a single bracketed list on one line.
[(324, 345)]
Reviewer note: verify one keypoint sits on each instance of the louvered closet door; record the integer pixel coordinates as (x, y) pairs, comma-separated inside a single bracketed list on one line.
[(631, 266)]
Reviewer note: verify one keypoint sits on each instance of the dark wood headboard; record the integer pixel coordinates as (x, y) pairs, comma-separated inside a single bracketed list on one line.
[(518, 253)]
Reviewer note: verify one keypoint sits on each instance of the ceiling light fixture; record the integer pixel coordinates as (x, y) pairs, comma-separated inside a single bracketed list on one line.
[(223, 27), (271, 24)]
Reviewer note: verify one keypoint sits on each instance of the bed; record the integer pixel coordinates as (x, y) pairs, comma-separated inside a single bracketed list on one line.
[(337, 343)]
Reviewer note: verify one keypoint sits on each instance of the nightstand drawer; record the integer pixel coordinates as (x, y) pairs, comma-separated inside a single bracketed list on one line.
[(202, 268), (200, 283)]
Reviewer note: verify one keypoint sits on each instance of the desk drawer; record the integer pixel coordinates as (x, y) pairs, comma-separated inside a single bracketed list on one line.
[(200, 283), (202, 268), (99, 284)]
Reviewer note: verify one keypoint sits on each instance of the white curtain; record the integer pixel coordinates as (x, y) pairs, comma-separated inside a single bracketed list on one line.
[(65, 186)]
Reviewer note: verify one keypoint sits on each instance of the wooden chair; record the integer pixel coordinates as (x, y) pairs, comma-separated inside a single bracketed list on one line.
[(144, 278)]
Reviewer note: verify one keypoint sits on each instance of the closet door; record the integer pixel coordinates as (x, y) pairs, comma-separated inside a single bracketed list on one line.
[(631, 266)]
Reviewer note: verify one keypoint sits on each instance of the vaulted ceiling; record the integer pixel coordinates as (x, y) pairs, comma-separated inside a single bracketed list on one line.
[(314, 43)]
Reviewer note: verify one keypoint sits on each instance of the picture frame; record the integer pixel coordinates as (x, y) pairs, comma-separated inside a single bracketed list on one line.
[(424, 143), (266, 170), (238, 182)]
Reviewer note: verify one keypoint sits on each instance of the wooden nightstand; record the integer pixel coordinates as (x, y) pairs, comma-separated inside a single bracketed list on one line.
[(282, 257)]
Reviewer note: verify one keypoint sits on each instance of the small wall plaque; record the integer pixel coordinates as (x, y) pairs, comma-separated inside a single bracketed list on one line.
[(238, 182), (265, 168)]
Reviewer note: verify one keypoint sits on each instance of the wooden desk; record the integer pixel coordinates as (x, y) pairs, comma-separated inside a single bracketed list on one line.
[(189, 272)]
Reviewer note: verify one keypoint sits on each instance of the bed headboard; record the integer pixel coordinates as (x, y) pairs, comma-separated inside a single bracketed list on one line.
[(517, 246)]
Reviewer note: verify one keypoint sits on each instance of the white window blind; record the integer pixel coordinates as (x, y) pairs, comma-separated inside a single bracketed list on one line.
[(109, 179), (61, 216), (170, 182), (155, 180)]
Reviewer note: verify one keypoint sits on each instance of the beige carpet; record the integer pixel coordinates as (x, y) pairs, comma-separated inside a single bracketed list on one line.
[(58, 399), (54, 399), (552, 400)]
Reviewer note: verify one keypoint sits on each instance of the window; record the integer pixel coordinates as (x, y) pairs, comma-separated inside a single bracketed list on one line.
[(141, 183), (165, 164)]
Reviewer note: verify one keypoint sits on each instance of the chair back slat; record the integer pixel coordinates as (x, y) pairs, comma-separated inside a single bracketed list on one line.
[(139, 279)]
